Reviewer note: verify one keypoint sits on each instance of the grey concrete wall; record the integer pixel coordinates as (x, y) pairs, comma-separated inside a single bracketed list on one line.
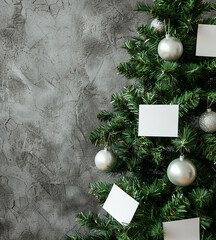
[(57, 71)]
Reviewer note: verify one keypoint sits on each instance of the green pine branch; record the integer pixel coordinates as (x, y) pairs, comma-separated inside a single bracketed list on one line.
[(79, 236), (92, 221), (187, 139), (175, 208), (189, 100), (208, 146), (201, 197)]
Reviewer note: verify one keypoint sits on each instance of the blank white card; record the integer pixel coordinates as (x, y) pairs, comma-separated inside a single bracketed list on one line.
[(206, 39), (188, 229), (158, 120), (120, 205)]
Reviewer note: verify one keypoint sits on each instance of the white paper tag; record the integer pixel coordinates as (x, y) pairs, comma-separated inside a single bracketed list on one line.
[(206, 39), (158, 120), (188, 229), (120, 205)]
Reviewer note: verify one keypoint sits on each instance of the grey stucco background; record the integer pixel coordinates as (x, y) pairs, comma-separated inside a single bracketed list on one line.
[(57, 71)]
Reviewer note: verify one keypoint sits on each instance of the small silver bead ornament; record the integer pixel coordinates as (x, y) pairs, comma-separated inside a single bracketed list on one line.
[(207, 121), (170, 48), (181, 172), (104, 159)]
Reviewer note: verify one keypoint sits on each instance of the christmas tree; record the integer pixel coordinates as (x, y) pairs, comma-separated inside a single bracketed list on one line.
[(185, 80)]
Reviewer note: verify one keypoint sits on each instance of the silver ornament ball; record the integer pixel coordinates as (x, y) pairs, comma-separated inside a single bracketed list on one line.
[(104, 159), (170, 48), (157, 25), (181, 172), (207, 121)]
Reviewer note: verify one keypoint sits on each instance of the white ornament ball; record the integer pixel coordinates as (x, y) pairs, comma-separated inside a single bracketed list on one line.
[(207, 121), (157, 25), (170, 48), (104, 159), (181, 172)]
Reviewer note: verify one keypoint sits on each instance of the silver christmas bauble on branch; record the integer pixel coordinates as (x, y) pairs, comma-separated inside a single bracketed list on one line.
[(181, 172), (157, 25), (104, 159), (170, 48), (207, 121)]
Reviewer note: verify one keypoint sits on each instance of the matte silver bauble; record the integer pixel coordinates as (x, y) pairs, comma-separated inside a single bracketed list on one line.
[(170, 48), (181, 172), (104, 159), (157, 25), (207, 121)]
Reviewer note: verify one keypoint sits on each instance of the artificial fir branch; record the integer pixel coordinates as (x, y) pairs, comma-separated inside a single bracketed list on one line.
[(208, 146), (147, 33), (201, 197), (175, 208), (187, 101), (92, 221), (173, 9), (187, 139), (80, 236)]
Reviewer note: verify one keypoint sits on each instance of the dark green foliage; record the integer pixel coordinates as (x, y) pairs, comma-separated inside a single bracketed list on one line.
[(79, 236), (208, 146), (188, 82), (187, 139), (201, 197), (92, 221), (178, 11)]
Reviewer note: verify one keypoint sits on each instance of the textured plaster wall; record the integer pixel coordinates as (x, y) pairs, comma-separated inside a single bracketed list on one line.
[(57, 71)]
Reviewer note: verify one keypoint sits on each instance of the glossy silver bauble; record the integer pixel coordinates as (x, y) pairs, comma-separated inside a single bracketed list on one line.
[(181, 172), (170, 48), (104, 159), (207, 121)]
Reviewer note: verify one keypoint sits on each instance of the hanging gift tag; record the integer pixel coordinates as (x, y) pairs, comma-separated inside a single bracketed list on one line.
[(206, 39), (120, 205), (188, 229), (158, 120)]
